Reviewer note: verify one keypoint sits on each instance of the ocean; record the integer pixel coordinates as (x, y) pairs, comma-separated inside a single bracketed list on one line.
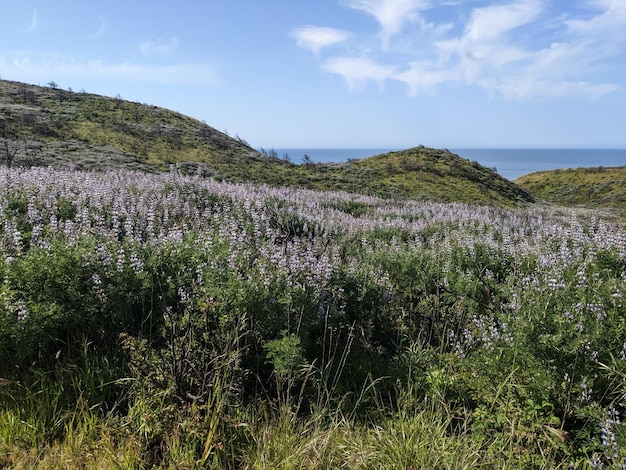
[(509, 163)]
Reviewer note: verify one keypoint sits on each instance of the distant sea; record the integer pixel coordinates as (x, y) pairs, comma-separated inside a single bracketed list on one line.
[(509, 163)]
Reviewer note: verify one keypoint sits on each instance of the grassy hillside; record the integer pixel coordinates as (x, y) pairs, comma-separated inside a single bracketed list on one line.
[(52, 126), (441, 174), (83, 130), (590, 187)]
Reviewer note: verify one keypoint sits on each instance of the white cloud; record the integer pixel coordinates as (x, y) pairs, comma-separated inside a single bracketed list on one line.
[(612, 16), (34, 22), (519, 50), (358, 71), (606, 30), (523, 89), (102, 29), (36, 68), (316, 37), (485, 45), (392, 15), (174, 74), (421, 77), (492, 22), (159, 46)]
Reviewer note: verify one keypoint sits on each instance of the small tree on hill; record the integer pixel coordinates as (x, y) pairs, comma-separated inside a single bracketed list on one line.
[(33, 152), (8, 144), (28, 96)]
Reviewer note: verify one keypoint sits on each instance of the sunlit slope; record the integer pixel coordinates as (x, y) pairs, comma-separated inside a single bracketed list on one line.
[(51, 126), (591, 187), (91, 131), (442, 175)]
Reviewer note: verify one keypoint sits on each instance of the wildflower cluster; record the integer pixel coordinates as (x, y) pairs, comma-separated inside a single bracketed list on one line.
[(152, 267)]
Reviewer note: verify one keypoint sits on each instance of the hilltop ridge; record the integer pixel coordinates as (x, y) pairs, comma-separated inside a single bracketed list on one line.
[(85, 130), (51, 126)]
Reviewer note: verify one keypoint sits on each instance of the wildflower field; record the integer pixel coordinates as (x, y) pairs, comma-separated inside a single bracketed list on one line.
[(169, 321)]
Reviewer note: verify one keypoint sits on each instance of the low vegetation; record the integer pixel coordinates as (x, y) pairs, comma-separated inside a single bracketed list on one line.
[(42, 126), (590, 187), (440, 175), (172, 321)]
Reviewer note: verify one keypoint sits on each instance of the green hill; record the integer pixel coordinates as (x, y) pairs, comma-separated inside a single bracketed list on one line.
[(440, 174), (84, 130), (598, 187), (52, 126)]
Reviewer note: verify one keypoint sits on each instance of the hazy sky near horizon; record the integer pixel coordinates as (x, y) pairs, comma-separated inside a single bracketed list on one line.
[(343, 73)]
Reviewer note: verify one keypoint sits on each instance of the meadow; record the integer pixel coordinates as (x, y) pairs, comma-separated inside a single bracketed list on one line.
[(172, 321)]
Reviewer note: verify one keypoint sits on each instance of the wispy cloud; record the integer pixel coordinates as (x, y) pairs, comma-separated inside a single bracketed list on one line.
[(486, 48), (422, 77), (357, 72), (102, 29), (392, 15), (159, 46), (34, 22), (612, 18), (316, 37), (521, 89), (31, 67), (493, 22), (518, 50)]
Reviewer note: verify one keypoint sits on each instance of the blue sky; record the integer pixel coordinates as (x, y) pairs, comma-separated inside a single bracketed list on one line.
[(343, 73)]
